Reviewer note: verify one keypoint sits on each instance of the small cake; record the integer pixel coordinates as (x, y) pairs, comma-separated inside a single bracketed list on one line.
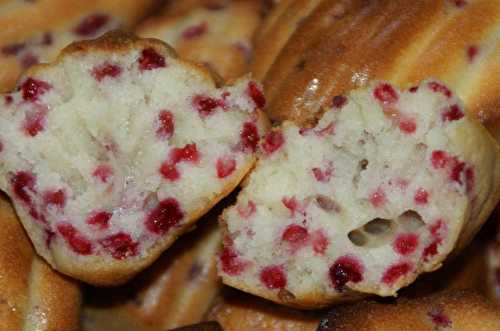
[(381, 189), (35, 31), (117, 148), (33, 296), (218, 35), (445, 311)]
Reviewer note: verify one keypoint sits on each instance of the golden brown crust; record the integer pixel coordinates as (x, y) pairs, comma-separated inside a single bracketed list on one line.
[(30, 19), (343, 44), (32, 295), (455, 310)]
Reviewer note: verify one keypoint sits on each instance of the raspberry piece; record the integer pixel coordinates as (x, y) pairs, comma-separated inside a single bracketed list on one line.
[(78, 243), (225, 166), (421, 197), (206, 105), (453, 113), (327, 130), (256, 94), (12, 49), (339, 101), (8, 99), (169, 171), (439, 319), (32, 89), (28, 59), (345, 269), (295, 234), (293, 205), (249, 137), (150, 60), (120, 245), (322, 176), (431, 250), (320, 242), (47, 39), (49, 236), (378, 198), (406, 244), (106, 70), (413, 89), (55, 198), (407, 125), (386, 94), (188, 153), (456, 172), (469, 179), (272, 142), (91, 24), (166, 215), (22, 184), (166, 125), (246, 212), (230, 262), (472, 52), (440, 88), (34, 122), (460, 3), (103, 172), (273, 277), (395, 272), (439, 159), (195, 31), (99, 219)]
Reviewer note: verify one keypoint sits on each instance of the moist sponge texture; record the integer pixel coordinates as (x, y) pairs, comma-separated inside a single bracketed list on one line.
[(117, 148), (380, 190)]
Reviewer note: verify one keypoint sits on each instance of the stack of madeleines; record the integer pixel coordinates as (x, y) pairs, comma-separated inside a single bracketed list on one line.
[(361, 135)]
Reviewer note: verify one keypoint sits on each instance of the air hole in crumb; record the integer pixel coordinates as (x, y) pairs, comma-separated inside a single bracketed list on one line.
[(378, 226), (357, 237), (411, 220), (285, 296)]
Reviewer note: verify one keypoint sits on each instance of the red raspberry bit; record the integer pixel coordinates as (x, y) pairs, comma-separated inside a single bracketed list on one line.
[(34, 122), (28, 59), (421, 197), (431, 250), (407, 125), (166, 215), (413, 89), (246, 211), (49, 236), (55, 198), (230, 262), (440, 88), (22, 184), (438, 228), (327, 130), (99, 219), (195, 31), (188, 153), (472, 52), (256, 94), (293, 205), (273, 277), (8, 99), (322, 176), (378, 198), (150, 60), (439, 319), (91, 24), (320, 242), (47, 39), (103, 172), (249, 137), (456, 172), (272, 142), (206, 105), (169, 171), (166, 125), (106, 70), (339, 101), (120, 245), (453, 113), (406, 244), (225, 166), (386, 94), (395, 272), (345, 269), (460, 3), (469, 179), (295, 234), (78, 242), (439, 159), (32, 89), (12, 49)]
